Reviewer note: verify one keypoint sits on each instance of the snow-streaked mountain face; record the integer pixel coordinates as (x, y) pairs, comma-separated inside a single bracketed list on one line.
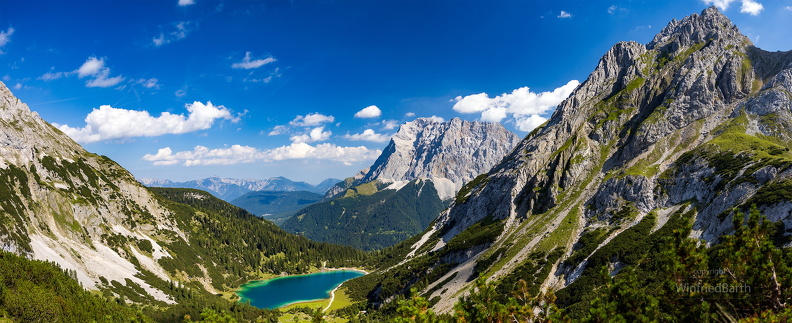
[(448, 153)]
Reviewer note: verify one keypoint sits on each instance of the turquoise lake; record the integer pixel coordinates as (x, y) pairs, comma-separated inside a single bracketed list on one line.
[(280, 291)]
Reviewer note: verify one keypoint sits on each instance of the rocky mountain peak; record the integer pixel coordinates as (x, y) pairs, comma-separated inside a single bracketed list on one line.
[(710, 25), (450, 153), (17, 143)]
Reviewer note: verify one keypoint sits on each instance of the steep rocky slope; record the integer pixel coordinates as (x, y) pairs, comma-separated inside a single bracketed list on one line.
[(448, 153), (424, 164), (90, 216), (695, 124)]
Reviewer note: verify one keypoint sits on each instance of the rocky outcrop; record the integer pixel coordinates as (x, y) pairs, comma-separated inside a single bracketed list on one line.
[(448, 153)]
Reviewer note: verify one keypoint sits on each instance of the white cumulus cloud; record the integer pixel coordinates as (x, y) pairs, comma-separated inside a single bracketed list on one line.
[(564, 14), (311, 120), (185, 3), (249, 63), (436, 119), (371, 111), (751, 7), (98, 74), (529, 123), (237, 154), (316, 134), (495, 114), (519, 104), (473, 103), (92, 66), (722, 4), (368, 135), (112, 123)]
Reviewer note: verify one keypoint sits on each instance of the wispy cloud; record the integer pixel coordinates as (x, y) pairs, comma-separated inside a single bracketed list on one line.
[(49, 76), (614, 9), (5, 38), (238, 154), (151, 83), (564, 14), (98, 74), (108, 123), (368, 135), (389, 124), (524, 106), (311, 120), (249, 63), (176, 31), (184, 3)]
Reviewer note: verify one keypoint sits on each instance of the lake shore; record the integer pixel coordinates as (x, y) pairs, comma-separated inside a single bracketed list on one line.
[(319, 302), (266, 279)]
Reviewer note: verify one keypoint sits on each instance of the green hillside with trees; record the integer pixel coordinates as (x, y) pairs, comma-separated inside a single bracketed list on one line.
[(370, 221)]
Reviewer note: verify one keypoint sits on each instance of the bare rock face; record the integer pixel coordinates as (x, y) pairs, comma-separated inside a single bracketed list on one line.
[(698, 119), (448, 153)]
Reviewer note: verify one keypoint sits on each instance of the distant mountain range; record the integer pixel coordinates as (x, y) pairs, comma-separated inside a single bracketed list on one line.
[(229, 189), (276, 206)]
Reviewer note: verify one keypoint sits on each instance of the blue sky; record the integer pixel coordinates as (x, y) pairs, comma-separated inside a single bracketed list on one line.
[(186, 89)]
